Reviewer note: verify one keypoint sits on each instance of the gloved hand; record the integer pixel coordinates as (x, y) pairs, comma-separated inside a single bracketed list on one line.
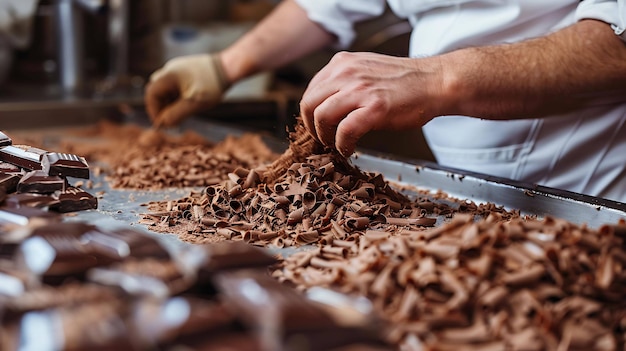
[(183, 86)]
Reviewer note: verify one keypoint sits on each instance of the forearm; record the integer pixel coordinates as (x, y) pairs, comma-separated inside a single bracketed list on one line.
[(282, 37), (572, 68)]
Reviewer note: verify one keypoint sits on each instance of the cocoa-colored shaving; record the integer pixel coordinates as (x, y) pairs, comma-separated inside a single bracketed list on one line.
[(138, 158), (530, 284)]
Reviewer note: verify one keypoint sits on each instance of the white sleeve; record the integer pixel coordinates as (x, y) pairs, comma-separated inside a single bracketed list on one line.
[(612, 12), (338, 16)]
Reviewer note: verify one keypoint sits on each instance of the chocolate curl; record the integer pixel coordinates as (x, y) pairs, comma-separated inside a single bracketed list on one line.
[(278, 242), (309, 200), (525, 277), (338, 232), (326, 170), (307, 237), (358, 223), (365, 191), (334, 252), (295, 216)]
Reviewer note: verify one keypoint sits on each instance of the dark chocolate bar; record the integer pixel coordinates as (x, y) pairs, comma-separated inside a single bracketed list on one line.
[(29, 200), (14, 282), (40, 182), (146, 276), (46, 297), (66, 165), (73, 229), (123, 243), (5, 140), (153, 321), (54, 256), (24, 156), (73, 199), (25, 215), (93, 326), (266, 307)]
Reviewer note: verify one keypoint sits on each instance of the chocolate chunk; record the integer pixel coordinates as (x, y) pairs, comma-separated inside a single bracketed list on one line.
[(8, 181), (66, 165), (14, 282), (73, 229), (22, 156), (5, 140), (46, 297), (40, 182), (57, 250), (25, 215), (74, 199), (147, 276), (266, 307), (55, 256), (93, 326), (123, 243), (29, 200), (153, 321)]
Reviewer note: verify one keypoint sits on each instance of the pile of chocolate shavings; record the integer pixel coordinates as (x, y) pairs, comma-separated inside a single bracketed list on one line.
[(149, 159), (317, 199), (482, 285)]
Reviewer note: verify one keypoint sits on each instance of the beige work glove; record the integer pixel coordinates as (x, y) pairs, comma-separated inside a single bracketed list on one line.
[(183, 86)]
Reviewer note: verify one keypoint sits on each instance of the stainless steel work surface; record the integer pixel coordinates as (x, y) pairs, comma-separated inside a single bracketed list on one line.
[(528, 198)]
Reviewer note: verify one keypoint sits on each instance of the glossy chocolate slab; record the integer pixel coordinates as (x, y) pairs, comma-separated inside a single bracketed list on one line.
[(24, 215), (74, 199), (66, 165), (40, 182), (29, 200), (24, 157)]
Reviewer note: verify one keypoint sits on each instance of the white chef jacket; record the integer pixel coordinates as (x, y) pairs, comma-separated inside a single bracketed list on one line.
[(583, 151)]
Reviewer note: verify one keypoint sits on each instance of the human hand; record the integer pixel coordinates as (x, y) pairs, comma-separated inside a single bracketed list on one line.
[(359, 92), (183, 86)]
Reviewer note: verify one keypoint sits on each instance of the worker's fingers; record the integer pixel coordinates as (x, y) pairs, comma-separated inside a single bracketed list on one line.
[(175, 113), (159, 93), (356, 124), (330, 112), (311, 99)]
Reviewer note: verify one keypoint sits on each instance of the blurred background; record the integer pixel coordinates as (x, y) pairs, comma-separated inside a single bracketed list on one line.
[(76, 61)]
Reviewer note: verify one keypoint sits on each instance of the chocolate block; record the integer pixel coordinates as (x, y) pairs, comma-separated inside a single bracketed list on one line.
[(74, 199), (211, 258), (153, 321), (146, 276), (282, 315), (46, 297), (14, 282), (23, 156), (9, 181), (5, 140), (40, 182), (73, 229), (123, 243), (29, 200), (66, 165), (94, 326), (26, 215)]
